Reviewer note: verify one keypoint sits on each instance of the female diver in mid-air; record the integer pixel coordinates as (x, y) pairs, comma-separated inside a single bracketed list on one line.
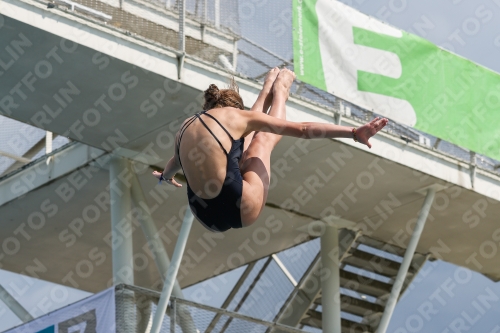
[(225, 151)]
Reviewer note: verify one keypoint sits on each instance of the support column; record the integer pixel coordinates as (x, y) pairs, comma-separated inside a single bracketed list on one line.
[(121, 240), (405, 265), (121, 224), (14, 306), (173, 268), (331, 284)]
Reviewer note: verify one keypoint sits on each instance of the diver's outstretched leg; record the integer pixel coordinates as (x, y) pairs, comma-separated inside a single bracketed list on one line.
[(264, 100), (255, 168)]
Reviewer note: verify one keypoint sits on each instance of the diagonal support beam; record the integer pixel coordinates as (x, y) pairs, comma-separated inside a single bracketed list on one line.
[(284, 270), (173, 268), (14, 157), (14, 305), (407, 259), (148, 226), (416, 265), (156, 247)]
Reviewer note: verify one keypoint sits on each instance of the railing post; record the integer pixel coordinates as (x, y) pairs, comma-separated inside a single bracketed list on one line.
[(235, 54), (205, 11), (473, 164), (182, 26), (48, 142), (49, 137), (217, 13), (173, 315), (182, 38)]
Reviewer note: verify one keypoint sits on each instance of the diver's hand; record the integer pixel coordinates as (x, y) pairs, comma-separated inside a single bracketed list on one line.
[(170, 181), (365, 132)]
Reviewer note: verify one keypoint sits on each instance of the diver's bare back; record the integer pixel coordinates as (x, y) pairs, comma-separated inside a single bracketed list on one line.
[(204, 162)]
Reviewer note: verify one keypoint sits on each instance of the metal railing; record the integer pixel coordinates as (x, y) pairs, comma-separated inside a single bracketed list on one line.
[(141, 303)]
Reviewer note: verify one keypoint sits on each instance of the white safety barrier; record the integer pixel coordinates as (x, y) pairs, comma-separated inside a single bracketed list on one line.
[(95, 314)]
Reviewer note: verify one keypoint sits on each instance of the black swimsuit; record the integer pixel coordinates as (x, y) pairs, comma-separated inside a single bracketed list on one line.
[(222, 212)]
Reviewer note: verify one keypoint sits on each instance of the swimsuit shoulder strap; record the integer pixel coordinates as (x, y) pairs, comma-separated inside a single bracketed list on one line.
[(181, 133), (225, 130), (217, 139)]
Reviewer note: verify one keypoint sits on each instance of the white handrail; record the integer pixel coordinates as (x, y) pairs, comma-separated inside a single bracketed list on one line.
[(73, 5)]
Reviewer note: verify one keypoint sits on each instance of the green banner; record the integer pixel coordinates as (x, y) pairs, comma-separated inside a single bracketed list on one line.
[(397, 74)]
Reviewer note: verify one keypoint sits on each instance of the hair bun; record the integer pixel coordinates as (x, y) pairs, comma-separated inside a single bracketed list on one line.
[(215, 98), (212, 95)]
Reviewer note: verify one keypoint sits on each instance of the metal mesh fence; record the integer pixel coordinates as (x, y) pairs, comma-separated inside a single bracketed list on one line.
[(256, 304), (209, 30), (136, 307), (150, 20), (221, 14), (238, 298), (298, 258), (268, 294)]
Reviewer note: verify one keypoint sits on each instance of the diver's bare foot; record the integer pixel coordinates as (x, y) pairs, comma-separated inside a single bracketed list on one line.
[(284, 82), (267, 90), (270, 78)]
